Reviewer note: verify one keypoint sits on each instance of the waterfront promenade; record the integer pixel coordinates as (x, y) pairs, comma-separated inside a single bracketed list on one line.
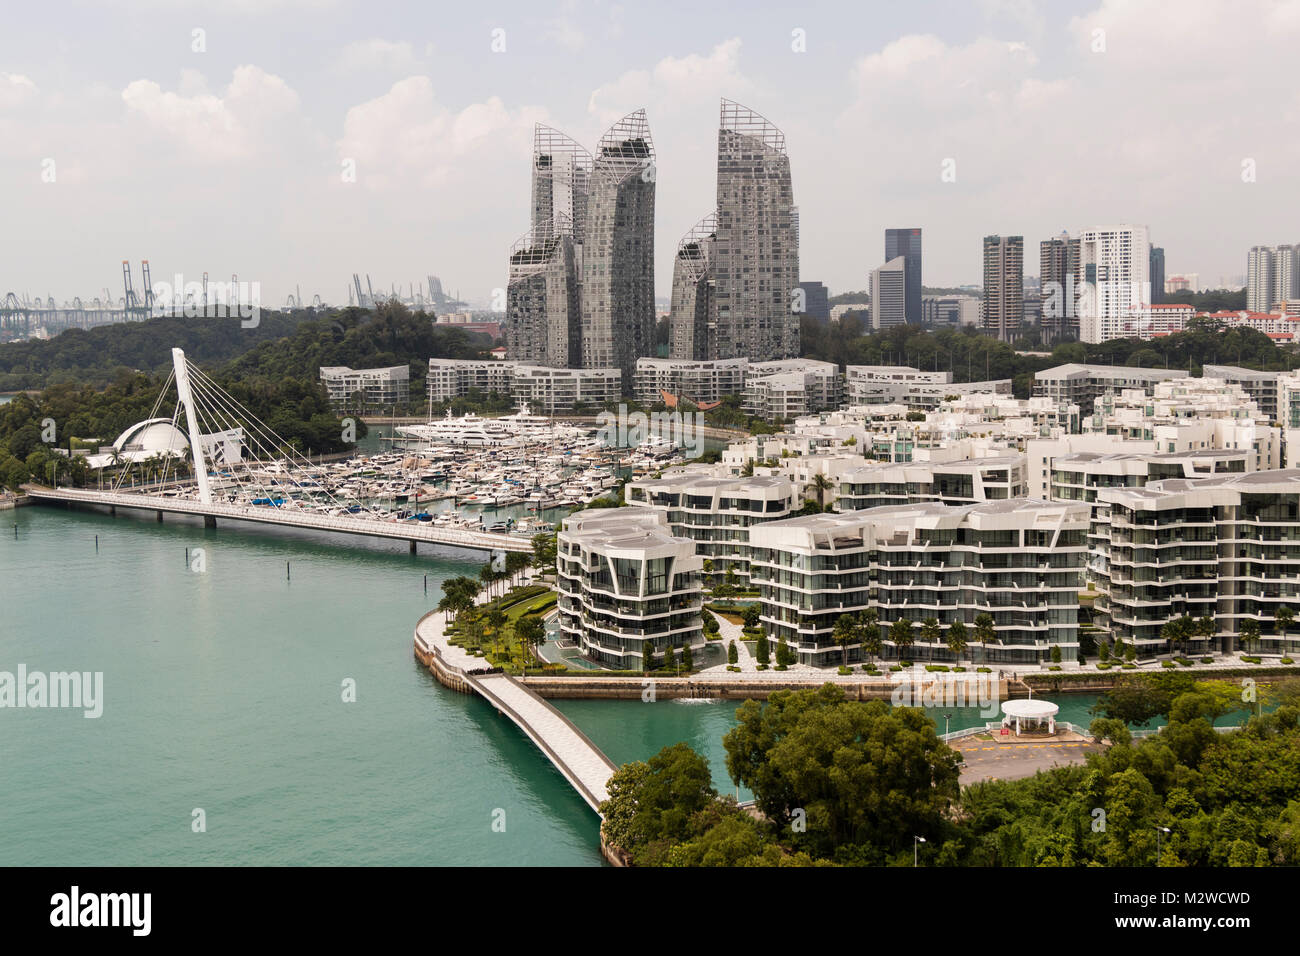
[(414, 532), (579, 760)]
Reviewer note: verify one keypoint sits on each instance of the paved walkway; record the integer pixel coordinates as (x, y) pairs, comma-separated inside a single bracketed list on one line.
[(991, 760), (578, 759)]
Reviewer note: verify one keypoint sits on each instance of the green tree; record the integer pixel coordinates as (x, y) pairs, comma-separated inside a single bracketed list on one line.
[(687, 660), (985, 632), (932, 634), (1249, 631), (843, 634), (651, 805), (814, 750), (531, 633), (869, 632), (733, 655), (1283, 617), (957, 639), (900, 633), (762, 652), (821, 484), (751, 615)]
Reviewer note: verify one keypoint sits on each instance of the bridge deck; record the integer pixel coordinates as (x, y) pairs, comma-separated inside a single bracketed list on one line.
[(400, 530), (585, 767)]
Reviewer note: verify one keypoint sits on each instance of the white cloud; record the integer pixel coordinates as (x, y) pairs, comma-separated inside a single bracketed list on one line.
[(235, 125), (406, 137), (15, 90)]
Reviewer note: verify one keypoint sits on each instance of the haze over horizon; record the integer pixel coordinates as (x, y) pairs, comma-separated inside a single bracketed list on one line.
[(231, 158)]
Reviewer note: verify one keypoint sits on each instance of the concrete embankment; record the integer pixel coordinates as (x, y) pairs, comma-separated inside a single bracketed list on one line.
[(677, 688), (9, 502)]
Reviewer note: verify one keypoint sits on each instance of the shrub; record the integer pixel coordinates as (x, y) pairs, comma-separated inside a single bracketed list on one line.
[(1168, 664), (959, 670), (984, 670), (733, 668), (762, 667), (1287, 660), (845, 670), (1207, 660), (1102, 666), (1127, 666), (937, 668), (1250, 660), (1054, 667)]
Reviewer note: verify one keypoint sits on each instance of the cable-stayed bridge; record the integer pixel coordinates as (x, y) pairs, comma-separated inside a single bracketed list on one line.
[(215, 459)]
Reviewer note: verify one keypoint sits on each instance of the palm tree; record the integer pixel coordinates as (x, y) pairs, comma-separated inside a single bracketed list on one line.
[(844, 633), (985, 632), (869, 632), (821, 484), (1207, 627), (1283, 617), (1249, 631), (932, 634), (957, 638), (900, 632)]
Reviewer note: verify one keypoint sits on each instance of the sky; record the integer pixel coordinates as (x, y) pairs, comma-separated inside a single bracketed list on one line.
[(295, 142)]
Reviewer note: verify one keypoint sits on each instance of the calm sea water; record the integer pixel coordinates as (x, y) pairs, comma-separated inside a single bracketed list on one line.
[(223, 691)]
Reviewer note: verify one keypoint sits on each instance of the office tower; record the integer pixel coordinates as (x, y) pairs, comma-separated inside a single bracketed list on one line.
[(1004, 285), (907, 244), (757, 251), (1157, 272), (543, 318), (1114, 264), (692, 315), (618, 296), (1058, 279), (889, 294), (816, 301), (1259, 278)]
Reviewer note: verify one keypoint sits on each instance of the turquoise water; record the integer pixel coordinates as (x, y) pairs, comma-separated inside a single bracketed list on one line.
[(223, 691)]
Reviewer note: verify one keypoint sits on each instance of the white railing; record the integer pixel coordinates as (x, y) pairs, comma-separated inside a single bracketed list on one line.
[(404, 530)]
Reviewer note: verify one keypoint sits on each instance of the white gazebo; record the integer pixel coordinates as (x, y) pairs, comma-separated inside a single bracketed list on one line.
[(1030, 713)]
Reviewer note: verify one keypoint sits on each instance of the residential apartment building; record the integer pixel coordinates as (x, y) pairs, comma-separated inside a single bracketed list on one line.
[(717, 514), (1017, 560), (1225, 548), (1058, 279), (1114, 263), (627, 586), (699, 381), (1261, 387), (995, 478), (757, 250), (548, 390), (900, 384), (1079, 384), (366, 389), (1004, 286), (784, 390)]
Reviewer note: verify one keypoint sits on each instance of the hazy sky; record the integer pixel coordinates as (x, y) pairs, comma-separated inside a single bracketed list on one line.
[(231, 159)]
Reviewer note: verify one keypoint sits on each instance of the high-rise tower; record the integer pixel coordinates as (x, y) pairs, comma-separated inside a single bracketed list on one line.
[(618, 302), (693, 316), (757, 247)]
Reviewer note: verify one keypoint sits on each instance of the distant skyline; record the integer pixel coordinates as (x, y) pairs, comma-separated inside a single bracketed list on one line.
[(226, 150)]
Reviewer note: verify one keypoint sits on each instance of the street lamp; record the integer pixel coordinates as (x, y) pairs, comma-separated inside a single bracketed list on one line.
[(1160, 832), (946, 718), (916, 841)]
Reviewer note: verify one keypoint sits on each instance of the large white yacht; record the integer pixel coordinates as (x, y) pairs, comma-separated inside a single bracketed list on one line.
[(523, 427)]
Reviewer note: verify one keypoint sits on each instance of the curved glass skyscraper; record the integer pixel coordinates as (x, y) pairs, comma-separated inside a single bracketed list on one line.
[(618, 302), (757, 252), (693, 312)]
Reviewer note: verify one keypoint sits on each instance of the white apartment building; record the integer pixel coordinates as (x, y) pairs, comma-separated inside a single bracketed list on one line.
[(994, 478), (1226, 548), (1187, 415), (787, 388), (699, 381), (1079, 384), (1114, 266), (716, 513), (1080, 477), (547, 390), (627, 586), (889, 384), (1017, 560), (377, 388)]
